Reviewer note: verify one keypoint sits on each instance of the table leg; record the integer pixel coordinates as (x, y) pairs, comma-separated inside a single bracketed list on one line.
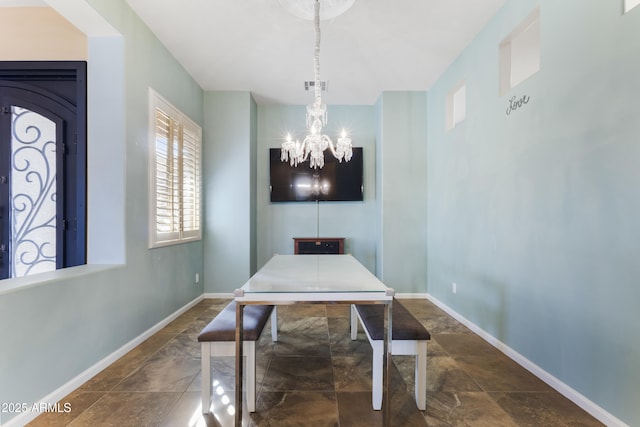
[(239, 354), (386, 404)]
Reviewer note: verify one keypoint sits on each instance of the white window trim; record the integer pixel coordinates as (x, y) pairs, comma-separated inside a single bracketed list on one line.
[(157, 238)]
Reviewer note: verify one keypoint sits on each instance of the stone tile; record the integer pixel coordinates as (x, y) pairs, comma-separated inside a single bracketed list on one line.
[(434, 349), (188, 412), (296, 387), (309, 327), (299, 373), (338, 310), (465, 345), (77, 402), (443, 374), (111, 376), (202, 312), (355, 410), (212, 311), (500, 374), (340, 338), (301, 346), (265, 345), (543, 409), (421, 307), (304, 337), (127, 409), (223, 373), (196, 326), (476, 409), (295, 409), (301, 311), (168, 373), (352, 373), (443, 325), (182, 345)]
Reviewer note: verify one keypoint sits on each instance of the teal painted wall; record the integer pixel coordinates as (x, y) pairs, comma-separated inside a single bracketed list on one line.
[(278, 223), (53, 331), (402, 196), (229, 184), (535, 214)]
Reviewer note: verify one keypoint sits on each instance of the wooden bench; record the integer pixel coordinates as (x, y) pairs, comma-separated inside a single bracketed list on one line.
[(409, 338), (218, 339)]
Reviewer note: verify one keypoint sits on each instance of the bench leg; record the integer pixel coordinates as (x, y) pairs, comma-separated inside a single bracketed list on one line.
[(376, 374), (206, 377), (250, 352), (274, 324), (354, 323), (421, 376)]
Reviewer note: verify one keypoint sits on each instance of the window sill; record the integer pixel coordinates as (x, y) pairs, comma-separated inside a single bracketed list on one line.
[(18, 284)]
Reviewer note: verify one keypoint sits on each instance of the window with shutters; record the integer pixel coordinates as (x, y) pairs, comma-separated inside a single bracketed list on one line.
[(175, 170)]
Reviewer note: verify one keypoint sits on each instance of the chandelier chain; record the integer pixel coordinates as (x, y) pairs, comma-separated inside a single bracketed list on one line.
[(316, 56)]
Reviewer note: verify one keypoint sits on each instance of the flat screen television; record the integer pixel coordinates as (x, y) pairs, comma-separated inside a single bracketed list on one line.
[(335, 182)]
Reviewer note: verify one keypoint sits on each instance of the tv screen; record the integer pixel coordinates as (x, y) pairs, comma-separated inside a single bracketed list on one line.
[(336, 181)]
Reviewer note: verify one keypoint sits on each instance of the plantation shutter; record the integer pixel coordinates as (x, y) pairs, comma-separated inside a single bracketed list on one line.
[(190, 181), (175, 176)]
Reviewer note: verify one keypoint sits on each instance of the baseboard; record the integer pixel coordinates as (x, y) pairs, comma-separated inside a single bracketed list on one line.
[(229, 295), (218, 295), (55, 396), (583, 402), (415, 296)]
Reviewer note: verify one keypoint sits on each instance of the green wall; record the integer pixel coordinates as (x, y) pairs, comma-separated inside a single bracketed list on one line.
[(535, 214), (229, 188), (401, 191), (60, 324)]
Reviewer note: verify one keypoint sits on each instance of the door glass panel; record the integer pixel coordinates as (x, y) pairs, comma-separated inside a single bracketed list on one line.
[(33, 193)]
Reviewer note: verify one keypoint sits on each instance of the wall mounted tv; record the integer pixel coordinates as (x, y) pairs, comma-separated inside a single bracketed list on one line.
[(335, 182)]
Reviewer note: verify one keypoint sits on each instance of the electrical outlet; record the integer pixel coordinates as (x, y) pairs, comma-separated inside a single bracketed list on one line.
[(197, 277), (454, 287)]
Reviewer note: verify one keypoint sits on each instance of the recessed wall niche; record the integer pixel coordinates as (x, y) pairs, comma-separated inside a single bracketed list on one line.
[(520, 53), (630, 4), (456, 105)]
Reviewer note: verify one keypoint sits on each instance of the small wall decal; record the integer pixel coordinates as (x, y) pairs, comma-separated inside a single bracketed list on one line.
[(515, 103)]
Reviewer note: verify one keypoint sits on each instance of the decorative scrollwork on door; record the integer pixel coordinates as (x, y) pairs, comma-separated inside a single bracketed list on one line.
[(33, 193)]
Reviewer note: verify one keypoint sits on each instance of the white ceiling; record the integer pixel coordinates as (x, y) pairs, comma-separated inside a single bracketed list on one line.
[(377, 45), (255, 45)]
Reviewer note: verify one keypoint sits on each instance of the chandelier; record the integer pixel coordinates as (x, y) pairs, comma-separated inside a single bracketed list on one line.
[(315, 143)]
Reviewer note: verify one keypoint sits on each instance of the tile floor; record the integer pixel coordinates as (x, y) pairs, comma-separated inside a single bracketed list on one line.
[(316, 376)]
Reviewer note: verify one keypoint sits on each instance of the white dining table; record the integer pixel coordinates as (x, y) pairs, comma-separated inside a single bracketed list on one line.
[(313, 279)]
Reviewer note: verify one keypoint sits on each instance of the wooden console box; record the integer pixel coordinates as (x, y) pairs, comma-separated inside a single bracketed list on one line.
[(318, 245)]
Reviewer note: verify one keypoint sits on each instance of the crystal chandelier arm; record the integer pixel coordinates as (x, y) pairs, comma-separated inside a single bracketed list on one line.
[(331, 146)]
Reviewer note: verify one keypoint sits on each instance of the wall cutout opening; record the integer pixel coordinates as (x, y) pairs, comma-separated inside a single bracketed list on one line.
[(456, 105), (630, 4), (520, 53)]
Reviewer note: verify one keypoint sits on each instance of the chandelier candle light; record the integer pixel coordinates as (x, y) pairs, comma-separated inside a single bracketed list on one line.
[(315, 143)]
